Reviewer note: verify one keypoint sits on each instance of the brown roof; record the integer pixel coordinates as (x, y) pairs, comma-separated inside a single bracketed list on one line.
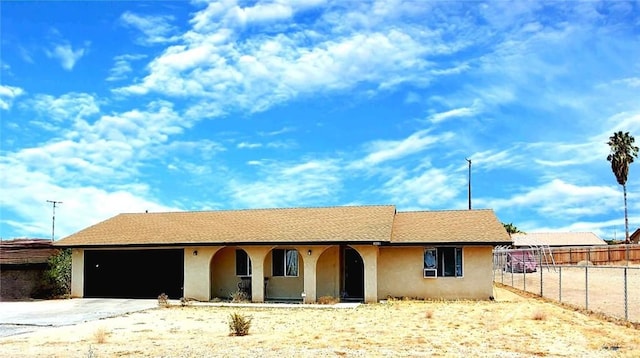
[(25, 251), (295, 225), (333, 224), (451, 226), (557, 239)]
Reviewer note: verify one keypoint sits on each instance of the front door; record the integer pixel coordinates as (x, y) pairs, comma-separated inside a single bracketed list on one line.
[(353, 275)]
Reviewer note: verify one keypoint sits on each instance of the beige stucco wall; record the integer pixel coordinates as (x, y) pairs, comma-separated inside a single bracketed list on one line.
[(369, 254), (197, 273), (279, 287), (224, 281), (328, 273), (77, 273), (400, 274), (396, 272)]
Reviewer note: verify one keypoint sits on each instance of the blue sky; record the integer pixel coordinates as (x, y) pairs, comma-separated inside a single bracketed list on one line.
[(129, 106)]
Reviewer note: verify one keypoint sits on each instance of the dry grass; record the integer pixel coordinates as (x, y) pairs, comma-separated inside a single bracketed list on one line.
[(428, 314), (539, 316), (504, 327), (100, 335), (328, 300)]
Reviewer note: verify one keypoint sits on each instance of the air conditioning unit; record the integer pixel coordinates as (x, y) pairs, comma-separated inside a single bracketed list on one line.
[(430, 273)]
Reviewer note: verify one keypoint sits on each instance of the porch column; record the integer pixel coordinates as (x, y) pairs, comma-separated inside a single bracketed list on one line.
[(77, 273), (197, 272), (310, 257), (257, 256), (369, 255)]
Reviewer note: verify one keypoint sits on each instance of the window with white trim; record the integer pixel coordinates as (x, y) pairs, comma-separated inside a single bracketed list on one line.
[(443, 261), (284, 262), (243, 263)]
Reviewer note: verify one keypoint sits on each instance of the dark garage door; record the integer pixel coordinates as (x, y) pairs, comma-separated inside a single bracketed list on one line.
[(133, 273)]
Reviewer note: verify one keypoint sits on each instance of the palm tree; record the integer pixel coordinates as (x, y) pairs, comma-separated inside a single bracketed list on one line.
[(622, 153), (512, 229)]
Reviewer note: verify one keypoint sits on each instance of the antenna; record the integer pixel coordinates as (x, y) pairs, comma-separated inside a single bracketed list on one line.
[(53, 218)]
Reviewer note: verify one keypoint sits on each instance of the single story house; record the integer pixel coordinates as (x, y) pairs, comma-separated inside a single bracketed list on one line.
[(556, 239), (362, 253)]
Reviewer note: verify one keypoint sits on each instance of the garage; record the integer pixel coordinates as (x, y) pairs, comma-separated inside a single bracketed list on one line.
[(133, 273)]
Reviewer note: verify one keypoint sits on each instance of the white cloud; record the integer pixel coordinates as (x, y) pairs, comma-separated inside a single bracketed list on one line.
[(155, 29), (287, 185), (453, 113), (8, 94), (122, 66), (558, 198), (66, 108), (220, 66), (82, 205), (385, 150), (247, 145), (66, 54), (426, 188)]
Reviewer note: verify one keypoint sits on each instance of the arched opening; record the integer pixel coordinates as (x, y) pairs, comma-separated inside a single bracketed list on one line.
[(230, 270), (352, 274)]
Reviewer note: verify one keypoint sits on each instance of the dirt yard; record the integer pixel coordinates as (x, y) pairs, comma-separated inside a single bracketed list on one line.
[(510, 326), (605, 292)]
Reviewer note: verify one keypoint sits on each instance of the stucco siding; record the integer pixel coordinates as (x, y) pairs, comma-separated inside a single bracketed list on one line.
[(328, 273), (400, 274), (279, 287), (224, 281), (197, 275), (77, 273)]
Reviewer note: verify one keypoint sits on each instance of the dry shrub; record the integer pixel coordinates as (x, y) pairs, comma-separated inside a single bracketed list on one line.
[(539, 315), (239, 296), (239, 324), (163, 300), (185, 301), (328, 300), (100, 335), (428, 314)]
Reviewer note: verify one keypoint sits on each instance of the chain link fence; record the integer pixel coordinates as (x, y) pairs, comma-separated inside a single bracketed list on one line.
[(611, 290)]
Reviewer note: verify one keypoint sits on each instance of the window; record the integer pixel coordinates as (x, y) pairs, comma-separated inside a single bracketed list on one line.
[(443, 262), (243, 263), (284, 262)]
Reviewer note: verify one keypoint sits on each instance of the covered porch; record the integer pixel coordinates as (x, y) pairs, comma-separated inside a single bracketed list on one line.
[(285, 273)]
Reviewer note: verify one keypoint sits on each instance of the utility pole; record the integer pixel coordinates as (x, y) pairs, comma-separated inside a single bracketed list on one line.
[(469, 180), (53, 218)]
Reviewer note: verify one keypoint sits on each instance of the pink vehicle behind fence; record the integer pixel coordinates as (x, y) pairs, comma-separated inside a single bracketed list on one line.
[(521, 261)]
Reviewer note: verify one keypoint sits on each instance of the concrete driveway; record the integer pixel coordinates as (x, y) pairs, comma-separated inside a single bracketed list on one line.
[(23, 317)]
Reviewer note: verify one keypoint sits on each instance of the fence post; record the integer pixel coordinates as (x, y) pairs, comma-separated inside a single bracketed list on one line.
[(626, 301), (560, 284), (570, 258), (512, 276), (626, 247), (540, 268), (586, 287)]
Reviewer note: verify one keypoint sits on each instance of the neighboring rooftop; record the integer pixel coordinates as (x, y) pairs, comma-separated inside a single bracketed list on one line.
[(25, 251), (344, 224), (557, 239)]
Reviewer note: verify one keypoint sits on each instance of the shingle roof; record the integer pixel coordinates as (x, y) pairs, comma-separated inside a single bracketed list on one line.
[(25, 251), (330, 224), (450, 226), (294, 225), (557, 239)]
